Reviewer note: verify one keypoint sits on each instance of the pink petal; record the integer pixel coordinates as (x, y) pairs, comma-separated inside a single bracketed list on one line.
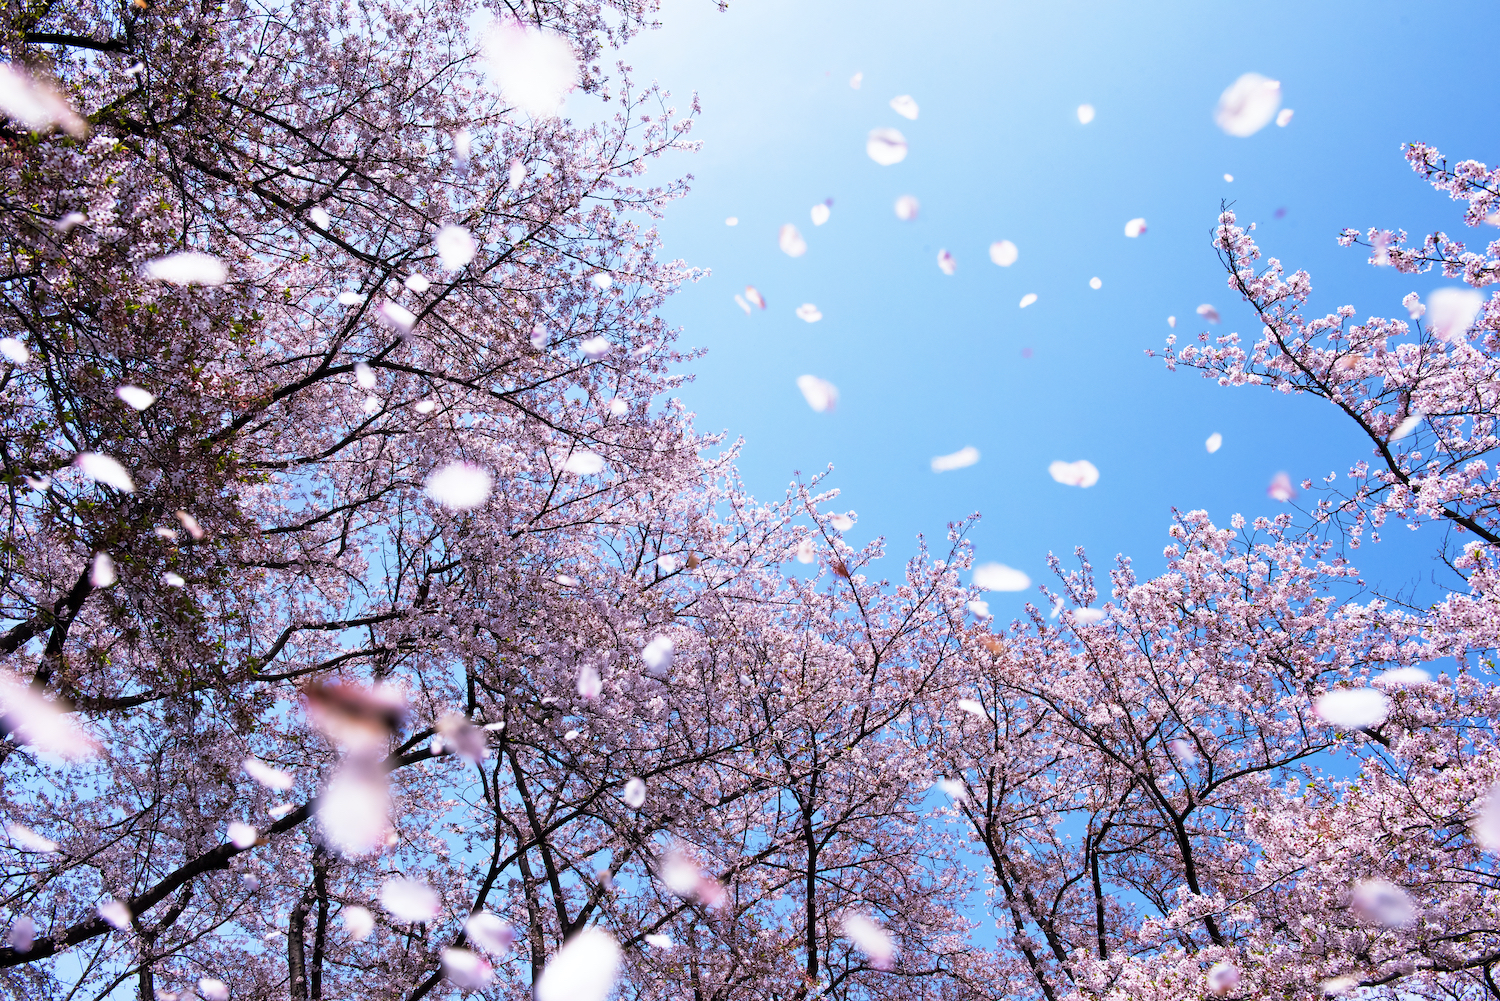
[(490, 932), (635, 793), (271, 778), (820, 394), (1135, 227), (358, 922), (907, 208), (1284, 117), (1281, 488), (466, 970), (1004, 253), (1208, 313), (753, 296), (1248, 105), (945, 262), (354, 812), (871, 939), (1383, 902), (1082, 473)]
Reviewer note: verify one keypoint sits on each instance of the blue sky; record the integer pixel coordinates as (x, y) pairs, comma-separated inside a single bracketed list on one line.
[(927, 363)]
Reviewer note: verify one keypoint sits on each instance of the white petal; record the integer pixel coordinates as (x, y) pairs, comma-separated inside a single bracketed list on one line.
[(945, 262), (820, 213), (116, 914), (657, 656), (619, 407), (35, 721), (584, 969), (907, 208), (1248, 105), (455, 247), (856, 80), (805, 552), (534, 69), (14, 351), (979, 609), (516, 175), (602, 280), (1172, 321), (1095, 284), (417, 283), (1004, 253), (241, 835), (1451, 311), (595, 348), (635, 793), (135, 397), (662, 942), (1213, 443), (667, 563), (396, 316), (732, 221), (871, 939), (820, 394), (22, 934), (102, 570), (808, 312), (1135, 227), (35, 105), (1085, 113), (1353, 708), (590, 685), (358, 922), (584, 463), (904, 106), (1222, 978), (354, 812), (966, 456), (1383, 902), (1208, 313), (409, 901), (999, 577), (271, 778), (886, 146), (1086, 616), (28, 840), (424, 406), (490, 932), (186, 268), (1229, 178), (364, 375), (1028, 299), (173, 579), (104, 469), (1284, 117), (459, 486), (973, 708), (791, 241), (466, 970), (1082, 473), (1281, 488), (1411, 423), (539, 336), (211, 989), (842, 522), (753, 296), (1401, 677), (319, 217)]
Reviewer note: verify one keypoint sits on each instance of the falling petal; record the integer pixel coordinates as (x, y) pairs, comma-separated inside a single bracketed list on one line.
[(1004, 253), (69, 222), (38, 723), (534, 69), (211, 989), (319, 217), (739, 301), (28, 840), (354, 812), (820, 394), (409, 901), (1334, 986), (1284, 117), (271, 778), (635, 793), (1095, 284), (753, 296), (820, 213), (1411, 423), (1451, 311), (417, 283), (999, 577), (102, 468), (1057, 607), (424, 406), (1183, 751), (871, 939), (462, 737), (589, 682), (1229, 178), (187, 268), (1085, 114), (907, 208), (490, 932), (1222, 978), (466, 970), (808, 312), (1208, 313), (904, 106), (241, 835), (657, 656), (358, 922), (584, 463), (1086, 616), (135, 397), (732, 221), (1402, 677), (1248, 105), (584, 969), (966, 456), (602, 280), (856, 80), (842, 522), (1028, 299), (1082, 473), (791, 241), (945, 262), (36, 105), (595, 348), (954, 788), (1383, 902), (1172, 321), (396, 317), (102, 570), (805, 552), (116, 914), (349, 298), (1214, 442), (455, 247), (538, 336), (1486, 824), (459, 486), (973, 708), (1135, 227), (979, 609), (1281, 488), (667, 563), (22, 934), (280, 810), (662, 942), (619, 407), (1353, 708), (886, 146), (14, 351)]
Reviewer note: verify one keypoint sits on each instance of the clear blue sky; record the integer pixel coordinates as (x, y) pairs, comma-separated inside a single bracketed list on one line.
[(927, 363)]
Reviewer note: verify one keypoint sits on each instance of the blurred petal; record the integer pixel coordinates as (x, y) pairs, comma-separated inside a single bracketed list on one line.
[(1451, 311), (1284, 117), (104, 469), (466, 970), (271, 778), (1096, 284), (409, 901), (945, 262), (1248, 105), (886, 146), (1208, 313), (820, 213), (973, 708), (1135, 227), (38, 723), (907, 208), (1214, 441), (490, 932), (354, 812), (871, 939), (999, 577), (1082, 473), (1004, 253), (187, 268), (635, 793), (1028, 299), (1353, 708), (135, 397), (358, 922), (1383, 902), (791, 241), (584, 969), (820, 394), (657, 656), (455, 247), (1281, 488), (534, 69), (1085, 113), (808, 312), (753, 296), (584, 463), (102, 570), (14, 351), (459, 486), (905, 106), (856, 80), (966, 456)]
